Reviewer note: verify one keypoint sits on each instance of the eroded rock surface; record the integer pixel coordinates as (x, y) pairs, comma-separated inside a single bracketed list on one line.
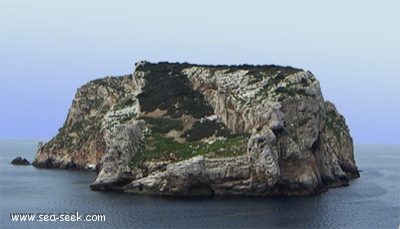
[(20, 161), (116, 162), (181, 130)]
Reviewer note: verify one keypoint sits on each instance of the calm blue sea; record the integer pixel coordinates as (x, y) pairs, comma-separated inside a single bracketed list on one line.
[(372, 201)]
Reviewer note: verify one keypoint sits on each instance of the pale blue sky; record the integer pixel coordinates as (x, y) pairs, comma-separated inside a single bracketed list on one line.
[(50, 48)]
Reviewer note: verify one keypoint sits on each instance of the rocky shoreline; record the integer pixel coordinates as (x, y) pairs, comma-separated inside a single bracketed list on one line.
[(183, 130)]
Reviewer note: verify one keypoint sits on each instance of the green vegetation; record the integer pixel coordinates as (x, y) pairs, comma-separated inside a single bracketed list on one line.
[(127, 102), (304, 82), (105, 109), (89, 104), (259, 71), (127, 117), (157, 146), (207, 129), (290, 91), (277, 79), (85, 129), (163, 125), (168, 89), (114, 83), (275, 73), (336, 124)]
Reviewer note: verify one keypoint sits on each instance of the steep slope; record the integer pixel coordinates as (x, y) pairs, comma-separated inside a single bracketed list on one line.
[(181, 129), (97, 107)]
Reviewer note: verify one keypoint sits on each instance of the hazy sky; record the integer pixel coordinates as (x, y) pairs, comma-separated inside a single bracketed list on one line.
[(50, 48)]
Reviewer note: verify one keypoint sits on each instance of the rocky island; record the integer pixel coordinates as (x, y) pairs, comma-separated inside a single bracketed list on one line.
[(20, 161), (181, 130)]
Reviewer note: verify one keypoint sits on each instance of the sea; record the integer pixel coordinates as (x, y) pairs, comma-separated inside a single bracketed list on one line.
[(62, 199)]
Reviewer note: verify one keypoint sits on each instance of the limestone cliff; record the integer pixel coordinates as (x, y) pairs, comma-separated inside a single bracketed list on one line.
[(97, 107), (181, 129)]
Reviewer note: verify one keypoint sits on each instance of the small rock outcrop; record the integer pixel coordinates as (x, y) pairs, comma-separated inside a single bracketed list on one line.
[(182, 130), (20, 161)]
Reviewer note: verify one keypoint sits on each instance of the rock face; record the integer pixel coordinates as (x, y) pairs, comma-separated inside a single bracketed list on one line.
[(116, 162), (181, 130), (98, 106), (20, 161)]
